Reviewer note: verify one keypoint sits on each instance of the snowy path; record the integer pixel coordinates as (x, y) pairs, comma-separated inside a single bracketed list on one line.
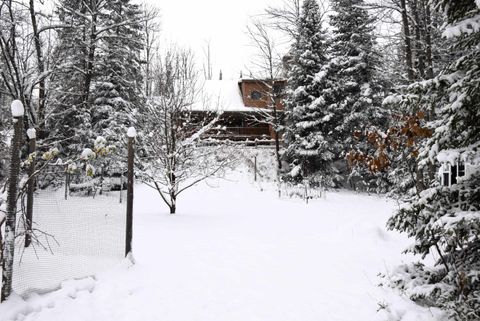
[(237, 254)]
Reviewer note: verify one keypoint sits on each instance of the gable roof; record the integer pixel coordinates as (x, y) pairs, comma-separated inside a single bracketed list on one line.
[(222, 96)]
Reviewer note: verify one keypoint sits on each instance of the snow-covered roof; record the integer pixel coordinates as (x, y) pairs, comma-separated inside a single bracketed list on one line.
[(222, 96)]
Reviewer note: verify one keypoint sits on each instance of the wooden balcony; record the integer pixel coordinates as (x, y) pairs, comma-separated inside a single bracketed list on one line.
[(241, 133), (247, 131)]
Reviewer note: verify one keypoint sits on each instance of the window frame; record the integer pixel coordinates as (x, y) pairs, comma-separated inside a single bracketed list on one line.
[(448, 171)]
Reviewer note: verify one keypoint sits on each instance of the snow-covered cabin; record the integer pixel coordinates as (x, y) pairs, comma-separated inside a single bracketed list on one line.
[(243, 103)]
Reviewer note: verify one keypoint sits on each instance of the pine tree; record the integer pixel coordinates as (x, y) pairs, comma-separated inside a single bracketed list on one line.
[(70, 114), (446, 219), (354, 64), (97, 89), (99, 81), (117, 84), (310, 149)]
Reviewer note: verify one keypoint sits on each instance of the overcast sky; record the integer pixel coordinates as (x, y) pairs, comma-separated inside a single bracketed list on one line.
[(192, 22)]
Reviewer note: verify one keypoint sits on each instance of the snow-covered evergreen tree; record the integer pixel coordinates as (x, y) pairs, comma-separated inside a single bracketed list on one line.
[(70, 123), (118, 79), (353, 65), (98, 86), (310, 148), (117, 85), (445, 220)]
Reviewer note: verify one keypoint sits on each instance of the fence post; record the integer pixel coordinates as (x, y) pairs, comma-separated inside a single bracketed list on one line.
[(32, 137), (131, 134), (10, 222), (121, 187), (67, 182), (255, 168), (306, 191)]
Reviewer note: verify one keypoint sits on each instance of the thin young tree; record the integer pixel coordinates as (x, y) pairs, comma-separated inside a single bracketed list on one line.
[(268, 66), (151, 30), (174, 159)]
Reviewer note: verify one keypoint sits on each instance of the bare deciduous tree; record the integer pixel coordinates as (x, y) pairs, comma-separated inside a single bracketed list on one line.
[(175, 159), (151, 29), (16, 71), (268, 64), (285, 17)]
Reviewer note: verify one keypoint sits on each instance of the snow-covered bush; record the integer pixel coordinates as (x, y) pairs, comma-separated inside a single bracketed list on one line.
[(445, 222)]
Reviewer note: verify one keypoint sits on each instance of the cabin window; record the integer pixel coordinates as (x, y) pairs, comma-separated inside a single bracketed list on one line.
[(450, 173), (256, 95), (446, 179), (453, 179)]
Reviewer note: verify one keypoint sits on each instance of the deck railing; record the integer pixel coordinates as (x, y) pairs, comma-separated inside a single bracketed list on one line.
[(246, 131)]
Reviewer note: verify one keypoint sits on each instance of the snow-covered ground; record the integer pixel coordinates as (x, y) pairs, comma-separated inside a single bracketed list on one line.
[(235, 252)]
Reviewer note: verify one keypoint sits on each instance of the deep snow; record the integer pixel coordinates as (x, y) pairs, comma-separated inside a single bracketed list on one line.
[(235, 252)]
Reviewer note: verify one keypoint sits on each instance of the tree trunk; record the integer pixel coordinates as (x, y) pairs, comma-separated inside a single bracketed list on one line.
[(173, 203), (408, 42), (419, 35), (10, 222), (30, 191), (90, 56), (41, 70), (419, 178), (277, 140), (428, 51), (147, 72), (130, 181), (428, 41)]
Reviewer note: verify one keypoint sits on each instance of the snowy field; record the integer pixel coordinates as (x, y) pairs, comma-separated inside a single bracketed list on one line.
[(235, 252)]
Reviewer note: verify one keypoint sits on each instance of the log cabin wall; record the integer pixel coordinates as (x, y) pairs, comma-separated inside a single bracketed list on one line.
[(255, 93)]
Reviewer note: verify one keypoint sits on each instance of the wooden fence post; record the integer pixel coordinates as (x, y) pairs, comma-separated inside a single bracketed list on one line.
[(10, 222), (32, 137), (121, 187), (67, 182), (255, 168), (131, 134)]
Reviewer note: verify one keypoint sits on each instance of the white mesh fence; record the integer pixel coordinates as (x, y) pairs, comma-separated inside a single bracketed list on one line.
[(73, 238)]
